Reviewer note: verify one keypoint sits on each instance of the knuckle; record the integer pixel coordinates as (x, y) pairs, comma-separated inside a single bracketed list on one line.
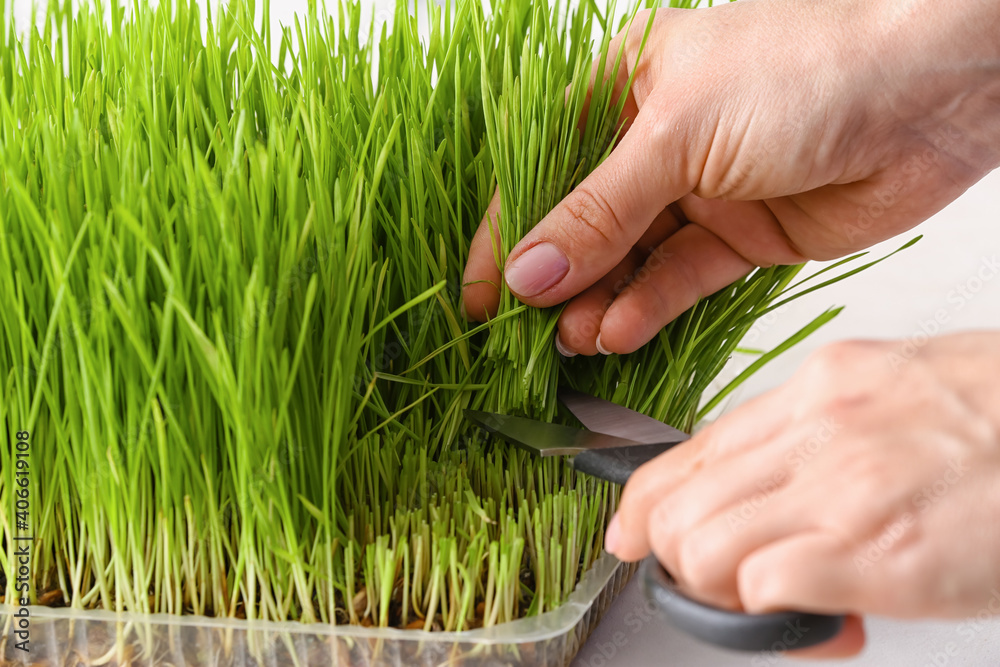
[(839, 358), (697, 562), (734, 181), (591, 218), (642, 17), (662, 540), (762, 259), (841, 408), (759, 582), (830, 357), (870, 481), (578, 327), (669, 295), (659, 308), (633, 32), (660, 136), (841, 378), (873, 474), (637, 486), (689, 275), (713, 442)]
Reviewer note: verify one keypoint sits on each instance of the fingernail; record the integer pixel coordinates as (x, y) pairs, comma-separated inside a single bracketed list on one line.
[(611, 536), (538, 269), (601, 348), (562, 349)]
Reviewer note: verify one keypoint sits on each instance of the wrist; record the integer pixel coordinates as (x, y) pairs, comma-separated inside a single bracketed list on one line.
[(970, 362)]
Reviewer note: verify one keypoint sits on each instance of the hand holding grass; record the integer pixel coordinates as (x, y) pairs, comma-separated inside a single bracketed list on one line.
[(758, 133), (764, 133)]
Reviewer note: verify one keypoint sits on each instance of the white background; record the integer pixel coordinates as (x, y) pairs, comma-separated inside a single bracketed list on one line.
[(895, 300)]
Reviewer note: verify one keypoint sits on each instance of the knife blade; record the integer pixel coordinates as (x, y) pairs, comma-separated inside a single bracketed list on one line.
[(543, 438), (599, 454), (604, 416)]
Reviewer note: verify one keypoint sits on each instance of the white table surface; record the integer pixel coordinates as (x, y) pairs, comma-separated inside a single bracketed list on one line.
[(894, 300), (633, 635)]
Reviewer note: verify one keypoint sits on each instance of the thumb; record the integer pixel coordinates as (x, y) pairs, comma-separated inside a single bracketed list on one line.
[(590, 231)]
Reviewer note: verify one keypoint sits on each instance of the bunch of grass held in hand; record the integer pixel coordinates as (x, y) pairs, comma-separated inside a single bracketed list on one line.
[(230, 265)]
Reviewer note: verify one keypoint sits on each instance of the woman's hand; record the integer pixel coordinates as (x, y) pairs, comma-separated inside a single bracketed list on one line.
[(868, 484), (764, 132)]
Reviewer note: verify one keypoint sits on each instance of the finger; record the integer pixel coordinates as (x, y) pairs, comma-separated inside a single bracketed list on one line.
[(810, 571), (748, 227), (755, 421), (706, 540), (850, 642), (690, 265), (591, 230), (580, 321), (706, 555), (481, 282), (835, 220), (703, 528), (706, 551)]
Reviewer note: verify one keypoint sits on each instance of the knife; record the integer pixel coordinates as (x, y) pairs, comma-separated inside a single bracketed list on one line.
[(592, 451), (615, 442)]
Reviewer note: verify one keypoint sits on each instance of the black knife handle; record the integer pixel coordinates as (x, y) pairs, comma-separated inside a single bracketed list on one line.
[(778, 631), (616, 464)]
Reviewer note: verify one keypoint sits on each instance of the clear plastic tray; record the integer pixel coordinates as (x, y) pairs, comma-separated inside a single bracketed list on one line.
[(68, 637)]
